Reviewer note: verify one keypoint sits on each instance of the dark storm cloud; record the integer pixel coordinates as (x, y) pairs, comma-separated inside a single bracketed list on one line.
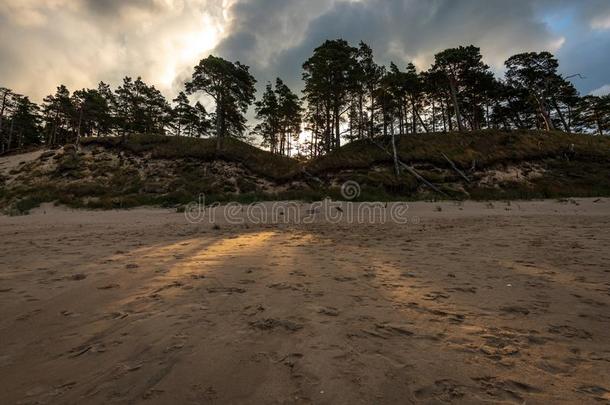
[(79, 42), (411, 30)]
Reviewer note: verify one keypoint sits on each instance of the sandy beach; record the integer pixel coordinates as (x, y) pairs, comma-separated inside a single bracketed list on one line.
[(465, 303)]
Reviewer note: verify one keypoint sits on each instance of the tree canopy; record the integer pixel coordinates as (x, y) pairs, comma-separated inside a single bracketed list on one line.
[(279, 111), (231, 86), (347, 96)]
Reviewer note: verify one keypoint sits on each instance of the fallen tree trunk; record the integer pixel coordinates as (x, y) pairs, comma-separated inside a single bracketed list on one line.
[(461, 173)]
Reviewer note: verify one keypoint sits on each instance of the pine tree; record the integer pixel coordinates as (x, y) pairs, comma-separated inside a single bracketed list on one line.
[(289, 114), (267, 111), (231, 86), (593, 113), (536, 74), (25, 122), (182, 114), (368, 76), (6, 97), (461, 67), (280, 113), (58, 113), (202, 124), (330, 76)]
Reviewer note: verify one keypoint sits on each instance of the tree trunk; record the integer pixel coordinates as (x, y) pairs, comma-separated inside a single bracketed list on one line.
[(433, 116), (360, 115), (418, 116), (10, 135), (598, 121), (449, 118), (55, 125), (565, 124), (337, 127), (80, 122), (385, 120), (372, 117), (456, 106), (4, 97), (422, 122), (544, 113), (444, 116), (395, 154), (400, 119), (327, 128), (413, 119), (487, 114), (219, 123)]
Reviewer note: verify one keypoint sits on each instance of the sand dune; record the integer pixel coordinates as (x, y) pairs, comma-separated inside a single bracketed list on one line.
[(466, 303)]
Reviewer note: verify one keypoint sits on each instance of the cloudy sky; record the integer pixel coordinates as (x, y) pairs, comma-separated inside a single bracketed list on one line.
[(80, 42)]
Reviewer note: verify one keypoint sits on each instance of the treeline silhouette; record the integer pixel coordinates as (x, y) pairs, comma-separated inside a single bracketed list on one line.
[(347, 96)]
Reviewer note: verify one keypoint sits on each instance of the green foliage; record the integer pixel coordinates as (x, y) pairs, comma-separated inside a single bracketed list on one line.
[(329, 76), (141, 108), (466, 80), (280, 112), (536, 74), (187, 120), (231, 86), (593, 114)]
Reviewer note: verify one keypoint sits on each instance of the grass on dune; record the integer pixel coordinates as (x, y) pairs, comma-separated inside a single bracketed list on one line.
[(574, 165), (483, 148), (258, 161)]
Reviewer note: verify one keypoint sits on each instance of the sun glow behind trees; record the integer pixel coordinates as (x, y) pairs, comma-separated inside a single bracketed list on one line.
[(189, 47)]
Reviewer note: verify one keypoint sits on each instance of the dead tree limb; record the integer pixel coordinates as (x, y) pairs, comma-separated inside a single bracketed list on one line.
[(311, 176), (411, 170), (461, 173), (421, 178)]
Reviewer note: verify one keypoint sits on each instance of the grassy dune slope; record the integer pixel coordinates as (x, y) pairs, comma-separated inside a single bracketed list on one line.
[(536, 164), (485, 148), (169, 171), (257, 160)]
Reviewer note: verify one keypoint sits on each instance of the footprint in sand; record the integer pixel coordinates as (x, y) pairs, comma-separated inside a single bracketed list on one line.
[(282, 286), (442, 390), (226, 290), (268, 324), (28, 315), (387, 330), (515, 310), (569, 332), (329, 311), (452, 317), (597, 392), (507, 390), (108, 286), (435, 296), (344, 279)]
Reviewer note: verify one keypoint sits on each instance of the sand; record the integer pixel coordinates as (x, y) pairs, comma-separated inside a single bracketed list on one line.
[(466, 303)]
